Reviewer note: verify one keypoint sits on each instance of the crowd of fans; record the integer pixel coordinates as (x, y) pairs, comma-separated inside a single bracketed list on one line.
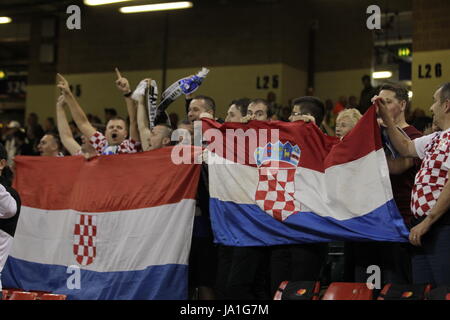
[(21, 139), (250, 272)]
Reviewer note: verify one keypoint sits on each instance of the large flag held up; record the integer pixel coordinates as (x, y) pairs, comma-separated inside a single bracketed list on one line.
[(124, 220), (302, 186)]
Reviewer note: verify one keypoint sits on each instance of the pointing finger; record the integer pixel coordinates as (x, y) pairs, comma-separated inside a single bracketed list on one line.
[(118, 73), (60, 77)]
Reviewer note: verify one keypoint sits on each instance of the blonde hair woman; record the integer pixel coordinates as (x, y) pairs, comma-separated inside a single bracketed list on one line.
[(346, 120)]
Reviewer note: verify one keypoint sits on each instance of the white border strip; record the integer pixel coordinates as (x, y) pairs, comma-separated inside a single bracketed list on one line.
[(126, 240), (343, 192)]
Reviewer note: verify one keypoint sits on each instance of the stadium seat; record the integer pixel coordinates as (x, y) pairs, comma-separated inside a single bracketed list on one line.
[(5, 294), (348, 291), (404, 292), (40, 293), (51, 296), (22, 295), (298, 290), (439, 293)]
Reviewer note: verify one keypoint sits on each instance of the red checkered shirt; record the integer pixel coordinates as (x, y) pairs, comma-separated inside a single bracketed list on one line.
[(434, 149), (99, 142)]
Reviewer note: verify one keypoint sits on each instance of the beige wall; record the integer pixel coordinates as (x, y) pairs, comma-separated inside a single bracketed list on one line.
[(424, 88), (333, 84), (222, 83), (41, 100), (98, 92), (225, 84), (294, 83)]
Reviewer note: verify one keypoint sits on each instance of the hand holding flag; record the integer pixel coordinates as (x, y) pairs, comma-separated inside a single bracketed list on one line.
[(383, 111)]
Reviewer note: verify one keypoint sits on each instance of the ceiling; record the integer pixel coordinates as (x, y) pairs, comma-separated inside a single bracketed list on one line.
[(26, 7), (20, 8), (15, 37)]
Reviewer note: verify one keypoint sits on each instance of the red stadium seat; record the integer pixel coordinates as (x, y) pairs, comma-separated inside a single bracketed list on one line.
[(51, 296), (5, 294), (404, 292), (348, 291), (280, 290), (21, 295), (40, 293), (439, 293), (298, 290)]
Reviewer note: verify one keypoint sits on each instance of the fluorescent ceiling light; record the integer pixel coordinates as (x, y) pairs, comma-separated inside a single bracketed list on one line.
[(5, 19), (101, 2), (157, 7), (382, 75)]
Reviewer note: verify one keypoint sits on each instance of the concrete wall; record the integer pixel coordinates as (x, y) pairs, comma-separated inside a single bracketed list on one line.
[(223, 83), (431, 45), (333, 84), (239, 42)]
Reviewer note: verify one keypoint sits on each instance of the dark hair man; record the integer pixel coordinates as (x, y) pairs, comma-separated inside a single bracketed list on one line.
[(201, 104), (310, 107), (394, 259), (300, 262), (259, 109), (237, 110), (50, 145)]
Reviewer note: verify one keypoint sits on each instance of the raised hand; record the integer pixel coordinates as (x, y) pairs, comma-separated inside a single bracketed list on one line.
[(61, 101), (382, 110), (246, 119), (122, 83), (63, 84), (139, 93), (304, 117)]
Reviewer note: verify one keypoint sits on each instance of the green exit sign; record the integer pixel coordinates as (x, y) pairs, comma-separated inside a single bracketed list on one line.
[(404, 52)]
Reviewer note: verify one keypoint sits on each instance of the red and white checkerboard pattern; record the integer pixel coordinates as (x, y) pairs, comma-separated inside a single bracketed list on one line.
[(99, 142), (275, 192), (85, 232), (432, 176)]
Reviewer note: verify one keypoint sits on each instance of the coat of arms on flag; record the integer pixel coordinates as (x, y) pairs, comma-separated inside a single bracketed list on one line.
[(277, 164), (303, 186), (127, 245), (84, 234)]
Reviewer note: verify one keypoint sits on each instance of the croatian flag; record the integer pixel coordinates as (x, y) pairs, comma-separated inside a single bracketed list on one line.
[(113, 227), (275, 183)]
